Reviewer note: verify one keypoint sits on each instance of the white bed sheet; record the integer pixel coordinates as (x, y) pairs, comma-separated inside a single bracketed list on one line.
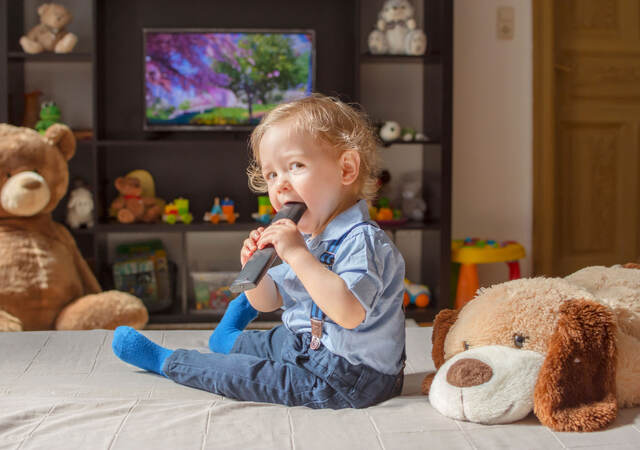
[(66, 390)]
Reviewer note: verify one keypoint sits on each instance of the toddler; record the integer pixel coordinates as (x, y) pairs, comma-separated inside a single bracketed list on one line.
[(341, 344)]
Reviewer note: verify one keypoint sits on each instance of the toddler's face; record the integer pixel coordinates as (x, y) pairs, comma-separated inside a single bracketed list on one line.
[(298, 168)]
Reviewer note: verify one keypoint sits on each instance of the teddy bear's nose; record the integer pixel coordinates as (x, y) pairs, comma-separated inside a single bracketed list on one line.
[(469, 372), (31, 184)]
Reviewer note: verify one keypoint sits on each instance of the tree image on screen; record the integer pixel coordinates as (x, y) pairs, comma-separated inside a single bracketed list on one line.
[(223, 79)]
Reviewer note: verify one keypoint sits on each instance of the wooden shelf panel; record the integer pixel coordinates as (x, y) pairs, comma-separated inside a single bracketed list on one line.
[(151, 143), (51, 57), (369, 58), (176, 228), (420, 142), (155, 143), (202, 316), (417, 314), (208, 227)]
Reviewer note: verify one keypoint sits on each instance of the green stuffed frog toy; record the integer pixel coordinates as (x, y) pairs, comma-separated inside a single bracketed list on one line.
[(49, 114)]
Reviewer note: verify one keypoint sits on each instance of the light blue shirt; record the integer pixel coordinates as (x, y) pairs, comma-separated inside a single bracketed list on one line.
[(373, 269)]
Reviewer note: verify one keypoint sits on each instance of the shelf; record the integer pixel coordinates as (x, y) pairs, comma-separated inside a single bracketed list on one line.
[(421, 314), (51, 57), (201, 316), (417, 314), (412, 225), (414, 142), (209, 142), (81, 231), (176, 228), (238, 226), (402, 59)]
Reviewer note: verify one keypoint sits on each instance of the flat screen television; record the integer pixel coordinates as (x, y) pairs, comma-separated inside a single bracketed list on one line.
[(223, 79)]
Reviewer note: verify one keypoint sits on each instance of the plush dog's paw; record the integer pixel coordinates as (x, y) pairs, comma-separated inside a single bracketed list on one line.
[(426, 383)]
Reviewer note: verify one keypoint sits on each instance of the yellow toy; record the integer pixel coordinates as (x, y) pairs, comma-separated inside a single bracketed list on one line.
[(471, 251)]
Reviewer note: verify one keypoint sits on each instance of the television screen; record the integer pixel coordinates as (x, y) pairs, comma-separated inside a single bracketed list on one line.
[(223, 79)]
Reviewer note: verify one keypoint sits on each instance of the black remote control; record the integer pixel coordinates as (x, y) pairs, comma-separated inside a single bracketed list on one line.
[(262, 259)]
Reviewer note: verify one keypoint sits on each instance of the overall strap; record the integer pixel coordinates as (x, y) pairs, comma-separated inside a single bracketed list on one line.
[(327, 258)]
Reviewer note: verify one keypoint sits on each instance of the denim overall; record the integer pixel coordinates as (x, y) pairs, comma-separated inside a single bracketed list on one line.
[(278, 366)]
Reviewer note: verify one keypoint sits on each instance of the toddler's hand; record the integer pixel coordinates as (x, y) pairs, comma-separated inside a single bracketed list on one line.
[(285, 238), (250, 245)]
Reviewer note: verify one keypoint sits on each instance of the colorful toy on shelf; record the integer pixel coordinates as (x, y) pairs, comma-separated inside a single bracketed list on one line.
[(471, 251), (177, 211), (225, 212), (49, 114), (384, 213), (416, 294), (136, 201), (265, 210)]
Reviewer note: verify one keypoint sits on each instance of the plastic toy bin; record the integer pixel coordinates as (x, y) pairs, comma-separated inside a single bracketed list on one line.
[(211, 290)]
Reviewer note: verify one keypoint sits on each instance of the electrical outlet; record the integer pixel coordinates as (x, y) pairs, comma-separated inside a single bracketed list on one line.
[(505, 22)]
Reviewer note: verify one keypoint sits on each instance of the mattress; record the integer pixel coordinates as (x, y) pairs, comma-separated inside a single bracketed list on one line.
[(66, 390)]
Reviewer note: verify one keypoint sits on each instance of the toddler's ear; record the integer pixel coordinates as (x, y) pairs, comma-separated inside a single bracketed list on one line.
[(350, 166)]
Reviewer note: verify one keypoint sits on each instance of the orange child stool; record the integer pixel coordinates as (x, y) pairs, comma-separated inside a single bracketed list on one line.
[(471, 251)]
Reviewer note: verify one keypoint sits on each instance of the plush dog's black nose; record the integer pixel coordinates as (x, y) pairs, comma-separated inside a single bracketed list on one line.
[(469, 372)]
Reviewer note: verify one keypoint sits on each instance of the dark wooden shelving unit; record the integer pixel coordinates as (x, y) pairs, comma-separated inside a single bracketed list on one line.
[(437, 125), (202, 164)]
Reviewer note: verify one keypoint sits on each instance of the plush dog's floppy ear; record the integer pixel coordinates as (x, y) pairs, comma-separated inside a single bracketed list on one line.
[(576, 387), (444, 320)]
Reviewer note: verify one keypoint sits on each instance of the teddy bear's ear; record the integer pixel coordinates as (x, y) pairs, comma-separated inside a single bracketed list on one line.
[(576, 387), (632, 265), (61, 136), (444, 320), (42, 10), (120, 183)]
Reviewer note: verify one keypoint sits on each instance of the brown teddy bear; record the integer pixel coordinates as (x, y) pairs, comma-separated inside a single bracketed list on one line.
[(44, 281), (50, 33), (567, 349), (131, 206)]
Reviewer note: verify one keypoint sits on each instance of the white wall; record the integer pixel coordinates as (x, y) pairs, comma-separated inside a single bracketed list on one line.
[(492, 129)]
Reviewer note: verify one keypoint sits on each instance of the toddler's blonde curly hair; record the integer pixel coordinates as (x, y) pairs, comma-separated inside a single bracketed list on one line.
[(336, 123)]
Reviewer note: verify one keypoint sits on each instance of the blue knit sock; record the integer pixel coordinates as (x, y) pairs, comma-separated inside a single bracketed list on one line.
[(133, 348), (237, 316)]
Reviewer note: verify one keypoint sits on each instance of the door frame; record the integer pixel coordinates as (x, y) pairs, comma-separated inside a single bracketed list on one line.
[(544, 180)]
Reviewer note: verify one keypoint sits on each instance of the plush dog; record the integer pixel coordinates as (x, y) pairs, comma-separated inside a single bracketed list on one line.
[(568, 349)]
